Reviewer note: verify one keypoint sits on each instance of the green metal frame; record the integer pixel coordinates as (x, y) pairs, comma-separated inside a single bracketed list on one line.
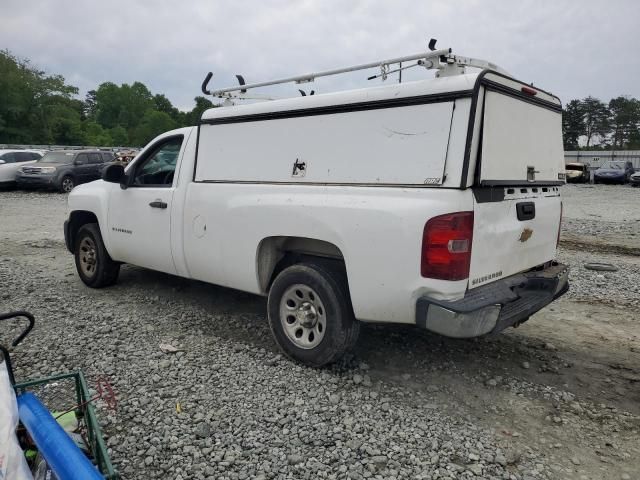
[(94, 434)]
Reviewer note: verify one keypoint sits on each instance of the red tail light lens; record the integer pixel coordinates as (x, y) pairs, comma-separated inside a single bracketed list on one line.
[(446, 246)]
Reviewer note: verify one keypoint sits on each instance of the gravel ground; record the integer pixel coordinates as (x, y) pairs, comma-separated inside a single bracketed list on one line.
[(558, 397), (608, 215)]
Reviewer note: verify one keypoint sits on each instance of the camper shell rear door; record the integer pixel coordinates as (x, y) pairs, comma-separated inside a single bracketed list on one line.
[(519, 166)]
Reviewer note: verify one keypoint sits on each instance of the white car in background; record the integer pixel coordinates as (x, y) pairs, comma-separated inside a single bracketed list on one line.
[(12, 160)]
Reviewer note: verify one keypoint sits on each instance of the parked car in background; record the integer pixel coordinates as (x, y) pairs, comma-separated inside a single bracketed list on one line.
[(12, 160), (577, 173), (613, 171), (64, 169), (635, 179)]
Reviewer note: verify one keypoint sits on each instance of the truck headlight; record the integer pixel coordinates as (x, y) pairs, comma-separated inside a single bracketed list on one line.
[(47, 169)]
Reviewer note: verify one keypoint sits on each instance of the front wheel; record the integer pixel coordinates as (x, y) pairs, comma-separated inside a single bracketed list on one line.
[(67, 184), (95, 267), (310, 314)]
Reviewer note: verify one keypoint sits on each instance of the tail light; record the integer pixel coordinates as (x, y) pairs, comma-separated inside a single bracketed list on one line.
[(446, 246)]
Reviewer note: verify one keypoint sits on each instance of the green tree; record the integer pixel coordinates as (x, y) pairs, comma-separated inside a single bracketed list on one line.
[(96, 136), (572, 124), (108, 103), (64, 126), (90, 105), (202, 104), (634, 140), (163, 104), (119, 136), (595, 116), (625, 120), (153, 124), (28, 99), (137, 100)]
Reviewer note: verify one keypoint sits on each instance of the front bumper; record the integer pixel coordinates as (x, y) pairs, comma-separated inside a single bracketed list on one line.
[(635, 181), (34, 180), (610, 178), (577, 179), (492, 308), (67, 236)]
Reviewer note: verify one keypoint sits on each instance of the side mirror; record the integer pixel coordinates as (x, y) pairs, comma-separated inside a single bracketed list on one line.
[(113, 173)]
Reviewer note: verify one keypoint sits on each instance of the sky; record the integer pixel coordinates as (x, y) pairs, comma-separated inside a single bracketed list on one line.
[(572, 48)]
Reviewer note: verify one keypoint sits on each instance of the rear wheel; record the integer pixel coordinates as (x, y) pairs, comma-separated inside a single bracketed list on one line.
[(93, 263), (310, 314), (67, 184)]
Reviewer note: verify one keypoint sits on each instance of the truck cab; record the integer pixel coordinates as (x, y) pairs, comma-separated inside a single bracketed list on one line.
[(434, 203)]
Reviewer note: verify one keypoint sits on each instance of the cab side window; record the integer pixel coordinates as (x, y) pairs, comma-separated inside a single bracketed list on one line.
[(81, 159), (95, 158), (159, 167)]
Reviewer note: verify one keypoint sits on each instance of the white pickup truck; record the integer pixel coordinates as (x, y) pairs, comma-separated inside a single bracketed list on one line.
[(435, 203)]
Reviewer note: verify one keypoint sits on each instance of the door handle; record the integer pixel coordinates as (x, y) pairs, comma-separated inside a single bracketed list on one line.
[(526, 210), (158, 204)]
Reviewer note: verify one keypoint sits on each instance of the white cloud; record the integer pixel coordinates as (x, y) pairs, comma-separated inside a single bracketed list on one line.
[(571, 48)]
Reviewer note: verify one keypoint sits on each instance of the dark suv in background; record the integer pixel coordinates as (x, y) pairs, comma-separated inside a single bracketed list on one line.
[(64, 169), (614, 172)]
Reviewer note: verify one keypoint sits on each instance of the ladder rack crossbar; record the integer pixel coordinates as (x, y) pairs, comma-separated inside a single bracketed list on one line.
[(426, 56)]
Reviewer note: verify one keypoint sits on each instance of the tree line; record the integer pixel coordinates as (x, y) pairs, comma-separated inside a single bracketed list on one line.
[(38, 108), (600, 126)]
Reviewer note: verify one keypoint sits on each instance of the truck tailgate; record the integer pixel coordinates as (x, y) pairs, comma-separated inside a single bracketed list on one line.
[(515, 234)]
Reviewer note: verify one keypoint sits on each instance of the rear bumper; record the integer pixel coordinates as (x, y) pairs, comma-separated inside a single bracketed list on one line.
[(496, 306)]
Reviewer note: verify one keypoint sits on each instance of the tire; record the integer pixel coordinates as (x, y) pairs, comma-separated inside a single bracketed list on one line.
[(93, 263), (67, 183), (310, 314)]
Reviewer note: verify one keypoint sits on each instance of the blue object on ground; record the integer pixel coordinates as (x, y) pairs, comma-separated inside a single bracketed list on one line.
[(63, 456)]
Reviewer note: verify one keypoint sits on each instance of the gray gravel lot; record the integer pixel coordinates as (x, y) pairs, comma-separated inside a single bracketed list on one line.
[(558, 397), (607, 214)]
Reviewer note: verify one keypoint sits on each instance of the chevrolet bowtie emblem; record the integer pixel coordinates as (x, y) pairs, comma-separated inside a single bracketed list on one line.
[(526, 234)]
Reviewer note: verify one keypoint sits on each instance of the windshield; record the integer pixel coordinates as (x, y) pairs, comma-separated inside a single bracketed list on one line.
[(580, 168), (613, 165), (57, 157)]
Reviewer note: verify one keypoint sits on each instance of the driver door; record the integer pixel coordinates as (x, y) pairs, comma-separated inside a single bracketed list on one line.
[(140, 216)]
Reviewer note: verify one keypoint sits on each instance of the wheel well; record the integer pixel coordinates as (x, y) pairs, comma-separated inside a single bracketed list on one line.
[(277, 253), (77, 219), (69, 174)]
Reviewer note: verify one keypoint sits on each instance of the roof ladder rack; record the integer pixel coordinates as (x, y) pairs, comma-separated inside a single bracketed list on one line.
[(443, 60)]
